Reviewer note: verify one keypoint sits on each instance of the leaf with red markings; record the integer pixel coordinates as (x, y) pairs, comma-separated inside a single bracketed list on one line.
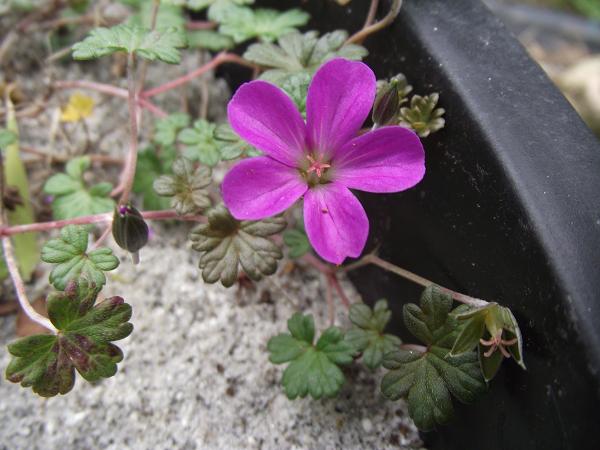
[(47, 363)]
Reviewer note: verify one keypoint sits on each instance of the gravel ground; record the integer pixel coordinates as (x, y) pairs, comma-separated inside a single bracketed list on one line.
[(196, 373)]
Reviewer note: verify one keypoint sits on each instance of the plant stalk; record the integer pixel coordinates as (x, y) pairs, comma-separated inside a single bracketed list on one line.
[(128, 175), (97, 218), (417, 279), (361, 35), (221, 58)]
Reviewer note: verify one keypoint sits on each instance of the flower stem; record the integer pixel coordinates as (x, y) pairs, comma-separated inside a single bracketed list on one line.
[(128, 175), (221, 58), (417, 279), (361, 35), (371, 14), (97, 218), (201, 25)]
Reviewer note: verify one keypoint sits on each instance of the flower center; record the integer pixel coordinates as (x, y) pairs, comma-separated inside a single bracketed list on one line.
[(317, 165)]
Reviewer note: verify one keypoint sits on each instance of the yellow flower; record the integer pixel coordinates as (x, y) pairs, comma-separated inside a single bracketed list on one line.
[(79, 107)]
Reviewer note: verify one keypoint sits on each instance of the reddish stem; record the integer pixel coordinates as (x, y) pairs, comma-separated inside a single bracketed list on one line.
[(97, 218), (201, 25), (221, 58)]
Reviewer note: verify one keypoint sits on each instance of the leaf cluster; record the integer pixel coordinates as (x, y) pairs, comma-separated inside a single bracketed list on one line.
[(314, 368), (160, 44), (225, 244), (297, 52), (187, 187), (367, 336), (429, 378), (72, 198), (86, 330)]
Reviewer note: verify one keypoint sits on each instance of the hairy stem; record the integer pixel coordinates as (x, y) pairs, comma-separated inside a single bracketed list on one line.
[(417, 279), (361, 35), (17, 281), (97, 218), (371, 14), (126, 183), (201, 25), (109, 90), (221, 58), (144, 68)]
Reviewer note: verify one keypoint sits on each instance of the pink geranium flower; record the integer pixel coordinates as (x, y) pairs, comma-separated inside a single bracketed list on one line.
[(321, 159)]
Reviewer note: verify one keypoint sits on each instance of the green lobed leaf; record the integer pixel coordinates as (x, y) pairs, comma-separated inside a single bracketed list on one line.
[(301, 53), (367, 336), (47, 363), (313, 369), (168, 16), (297, 242), (200, 143), (68, 252), (242, 23), (187, 187), (225, 244), (71, 196), (161, 44), (428, 377), (166, 129), (210, 40)]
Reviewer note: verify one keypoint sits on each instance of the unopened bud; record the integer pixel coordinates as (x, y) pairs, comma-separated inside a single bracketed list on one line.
[(129, 229)]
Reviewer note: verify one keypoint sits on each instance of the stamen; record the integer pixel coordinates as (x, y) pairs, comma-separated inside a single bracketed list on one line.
[(317, 166)]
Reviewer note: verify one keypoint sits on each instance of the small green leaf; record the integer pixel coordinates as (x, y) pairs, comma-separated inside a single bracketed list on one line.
[(72, 262), (187, 187), (297, 53), (423, 116), (200, 143), (243, 23), (161, 44), (168, 16), (47, 363), (72, 198), (313, 369), (231, 145), (367, 336), (210, 40), (297, 242), (296, 86), (428, 377), (166, 129), (226, 243)]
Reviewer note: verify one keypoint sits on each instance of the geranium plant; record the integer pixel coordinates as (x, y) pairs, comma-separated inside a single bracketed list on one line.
[(312, 126)]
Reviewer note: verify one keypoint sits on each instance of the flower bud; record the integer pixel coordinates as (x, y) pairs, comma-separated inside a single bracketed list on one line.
[(390, 96), (129, 229)]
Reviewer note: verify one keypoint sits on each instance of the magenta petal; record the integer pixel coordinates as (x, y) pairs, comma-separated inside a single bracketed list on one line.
[(261, 187), (264, 115), (335, 221), (389, 159), (339, 100)]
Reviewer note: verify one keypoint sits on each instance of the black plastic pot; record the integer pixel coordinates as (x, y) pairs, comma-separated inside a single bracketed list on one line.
[(509, 210)]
